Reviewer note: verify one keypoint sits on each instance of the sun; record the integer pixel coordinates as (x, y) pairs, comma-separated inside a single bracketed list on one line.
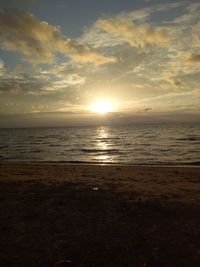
[(102, 107)]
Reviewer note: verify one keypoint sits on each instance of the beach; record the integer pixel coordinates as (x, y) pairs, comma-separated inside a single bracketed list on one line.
[(99, 215)]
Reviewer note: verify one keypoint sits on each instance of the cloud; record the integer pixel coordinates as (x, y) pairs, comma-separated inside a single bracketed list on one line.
[(39, 41), (147, 109), (163, 75), (194, 59), (1, 68), (133, 28), (85, 54), (191, 15), (71, 80), (36, 41), (135, 35), (37, 82), (174, 81), (145, 13)]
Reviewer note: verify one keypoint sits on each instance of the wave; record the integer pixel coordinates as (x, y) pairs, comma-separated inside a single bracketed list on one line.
[(107, 138), (189, 138), (91, 150), (2, 147), (37, 151), (132, 145), (54, 145)]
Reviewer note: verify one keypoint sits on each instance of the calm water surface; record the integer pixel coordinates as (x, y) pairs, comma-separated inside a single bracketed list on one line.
[(144, 144)]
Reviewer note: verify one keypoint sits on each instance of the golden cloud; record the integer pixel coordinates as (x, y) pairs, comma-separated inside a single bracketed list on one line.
[(39, 41), (83, 54), (36, 41), (135, 35)]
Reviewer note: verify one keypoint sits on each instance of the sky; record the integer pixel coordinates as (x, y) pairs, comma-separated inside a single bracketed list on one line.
[(61, 59)]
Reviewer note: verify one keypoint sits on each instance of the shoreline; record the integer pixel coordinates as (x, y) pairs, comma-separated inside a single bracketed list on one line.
[(81, 163), (148, 181)]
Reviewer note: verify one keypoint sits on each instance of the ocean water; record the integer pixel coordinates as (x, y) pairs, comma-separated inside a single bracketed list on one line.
[(137, 144)]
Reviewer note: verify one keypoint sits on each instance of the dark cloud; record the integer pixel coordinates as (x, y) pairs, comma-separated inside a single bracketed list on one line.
[(194, 58), (38, 41), (177, 82), (85, 54), (147, 109)]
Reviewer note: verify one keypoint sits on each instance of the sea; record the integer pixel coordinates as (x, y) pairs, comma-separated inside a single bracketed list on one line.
[(153, 144)]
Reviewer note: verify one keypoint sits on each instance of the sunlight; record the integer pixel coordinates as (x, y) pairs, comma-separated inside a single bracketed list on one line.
[(102, 107)]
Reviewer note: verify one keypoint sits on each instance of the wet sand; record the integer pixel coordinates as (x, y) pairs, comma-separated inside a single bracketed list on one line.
[(99, 215)]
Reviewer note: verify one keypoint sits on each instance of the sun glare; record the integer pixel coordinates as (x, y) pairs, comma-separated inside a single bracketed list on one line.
[(102, 107)]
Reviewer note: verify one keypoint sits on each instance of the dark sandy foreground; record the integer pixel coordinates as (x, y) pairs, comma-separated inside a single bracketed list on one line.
[(91, 215)]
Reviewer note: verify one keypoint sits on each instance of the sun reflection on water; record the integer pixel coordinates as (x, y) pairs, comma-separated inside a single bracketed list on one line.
[(103, 145)]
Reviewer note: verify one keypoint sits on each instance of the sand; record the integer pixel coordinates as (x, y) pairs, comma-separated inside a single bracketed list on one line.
[(99, 215)]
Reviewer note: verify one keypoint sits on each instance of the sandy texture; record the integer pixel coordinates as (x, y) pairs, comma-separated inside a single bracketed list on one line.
[(95, 215)]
